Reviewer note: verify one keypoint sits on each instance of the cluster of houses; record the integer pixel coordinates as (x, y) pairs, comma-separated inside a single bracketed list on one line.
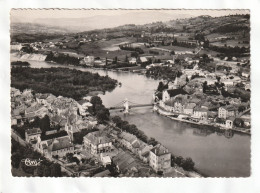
[(197, 106), (69, 114), (100, 145), (72, 116)]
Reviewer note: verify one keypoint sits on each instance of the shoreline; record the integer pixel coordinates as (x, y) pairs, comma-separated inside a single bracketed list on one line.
[(167, 114)]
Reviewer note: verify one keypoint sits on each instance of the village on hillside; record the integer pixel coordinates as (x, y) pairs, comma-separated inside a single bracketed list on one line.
[(202, 65)]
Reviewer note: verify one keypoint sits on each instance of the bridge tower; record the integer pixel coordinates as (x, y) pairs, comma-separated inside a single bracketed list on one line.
[(126, 105)]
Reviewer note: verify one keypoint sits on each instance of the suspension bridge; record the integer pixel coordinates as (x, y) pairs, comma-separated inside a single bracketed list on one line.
[(125, 105)]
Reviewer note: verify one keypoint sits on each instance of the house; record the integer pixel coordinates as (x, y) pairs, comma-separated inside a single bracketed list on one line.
[(32, 134), (143, 59), (89, 60), (143, 151), (97, 142), (128, 140), (179, 106), (160, 158), (132, 61), (230, 122), (37, 110), (245, 74), (59, 146), (247, 86), (106, 160), (206, 105), (50, 99), (200, 113), (124, 162), (211, 81), (15, 92), (226, 111), (188, 108), (246, 119), (168, 94), (83, 106), (15, 116), (228, 83), (41, 98)]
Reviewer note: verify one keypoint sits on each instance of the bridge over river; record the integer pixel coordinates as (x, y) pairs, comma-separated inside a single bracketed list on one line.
[(125, 105)]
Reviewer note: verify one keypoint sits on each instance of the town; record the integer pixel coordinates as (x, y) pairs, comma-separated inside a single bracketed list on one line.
[(203, 67), (63, 131)]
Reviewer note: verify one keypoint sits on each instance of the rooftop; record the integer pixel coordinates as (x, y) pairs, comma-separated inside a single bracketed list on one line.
[(97, 138), (33, 131), (159, 150), (61, 143)]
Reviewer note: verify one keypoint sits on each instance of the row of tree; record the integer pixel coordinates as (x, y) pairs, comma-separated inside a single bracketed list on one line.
[(62, 59), (130, 128), (186, 164)]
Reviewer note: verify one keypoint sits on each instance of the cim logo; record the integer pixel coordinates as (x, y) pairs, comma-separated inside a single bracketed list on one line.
[(29, 162)]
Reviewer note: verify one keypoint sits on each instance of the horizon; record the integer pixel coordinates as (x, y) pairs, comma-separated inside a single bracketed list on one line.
[(100, 19)]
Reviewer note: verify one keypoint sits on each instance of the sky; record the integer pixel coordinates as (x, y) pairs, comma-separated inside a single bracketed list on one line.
[(29, 15), (97, 19)]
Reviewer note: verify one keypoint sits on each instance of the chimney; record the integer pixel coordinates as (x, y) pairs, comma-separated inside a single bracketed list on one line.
[(99, 140), (155, 151)]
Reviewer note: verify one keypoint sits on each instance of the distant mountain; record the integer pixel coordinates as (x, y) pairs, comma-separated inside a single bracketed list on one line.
[(30, 28), (100, 21), (131, 20)]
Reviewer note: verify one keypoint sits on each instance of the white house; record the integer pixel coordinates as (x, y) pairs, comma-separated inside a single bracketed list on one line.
[(245, 74), (32, 134), (89, 60), (230, 122), (160, 158), (132, 61)]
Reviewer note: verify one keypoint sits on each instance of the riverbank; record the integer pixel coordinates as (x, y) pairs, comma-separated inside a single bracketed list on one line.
[(233, 156), (170, 115)]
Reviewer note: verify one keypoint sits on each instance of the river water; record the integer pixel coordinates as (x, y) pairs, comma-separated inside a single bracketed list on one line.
[(214, 154)]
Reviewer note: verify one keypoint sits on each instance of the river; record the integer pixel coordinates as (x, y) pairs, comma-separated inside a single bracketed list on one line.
[(214, 154)]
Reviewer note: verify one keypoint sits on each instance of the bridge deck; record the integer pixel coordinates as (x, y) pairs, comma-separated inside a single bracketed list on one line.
[(132, 106)]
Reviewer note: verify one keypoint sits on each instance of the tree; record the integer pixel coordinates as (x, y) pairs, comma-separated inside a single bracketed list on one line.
[(177, 61), (152, 141), (205, 86), (241, 109), (78, 136), (115, 60), (116, 119), (46, 171), (160, 86), (69, 157), (103, 115), (96, 102), (15, 160), (238, 122), (179, 160), (188, 164), (45, 124), (39, 171), (172, 52), (55, 170), (187, 79), (126, 58)]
